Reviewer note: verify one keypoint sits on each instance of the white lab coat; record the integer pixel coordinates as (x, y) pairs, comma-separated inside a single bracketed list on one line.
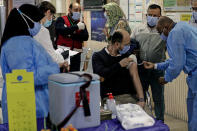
[(43, 37)]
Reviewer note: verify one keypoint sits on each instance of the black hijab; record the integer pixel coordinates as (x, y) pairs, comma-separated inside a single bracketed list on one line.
[(15, 24)]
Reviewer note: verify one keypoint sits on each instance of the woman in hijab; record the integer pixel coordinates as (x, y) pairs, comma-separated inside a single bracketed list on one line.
[(20, 51), (115, 19)]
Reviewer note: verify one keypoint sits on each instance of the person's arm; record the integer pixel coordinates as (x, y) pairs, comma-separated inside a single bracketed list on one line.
[(31, 59), (162, 66), (137, 84), (176, 51), (82, 36), (100, 69), (43, 38), (62, 29)]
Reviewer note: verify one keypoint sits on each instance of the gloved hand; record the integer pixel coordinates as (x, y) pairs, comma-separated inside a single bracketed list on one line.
[(81, 26), (59, 50)]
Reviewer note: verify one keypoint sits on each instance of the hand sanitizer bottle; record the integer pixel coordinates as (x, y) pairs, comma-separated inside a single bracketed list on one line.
[(111, 105)]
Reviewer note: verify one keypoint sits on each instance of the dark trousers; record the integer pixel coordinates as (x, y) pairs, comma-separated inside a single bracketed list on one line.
[(150, 78), (75, 62)]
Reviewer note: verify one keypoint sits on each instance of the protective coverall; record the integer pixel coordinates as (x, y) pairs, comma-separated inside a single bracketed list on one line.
[(23, 52), (182, 49)]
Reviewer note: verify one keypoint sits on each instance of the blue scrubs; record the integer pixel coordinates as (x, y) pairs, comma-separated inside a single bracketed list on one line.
[(182, 49), (23, 52)]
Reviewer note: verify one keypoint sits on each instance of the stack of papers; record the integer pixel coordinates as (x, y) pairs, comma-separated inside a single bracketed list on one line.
[(71, 52)]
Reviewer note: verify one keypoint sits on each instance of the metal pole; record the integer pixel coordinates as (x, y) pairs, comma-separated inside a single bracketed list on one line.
[(82, 9)]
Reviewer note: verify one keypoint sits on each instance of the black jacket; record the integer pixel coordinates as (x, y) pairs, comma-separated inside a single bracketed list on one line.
[(116, 78), (61, 29)]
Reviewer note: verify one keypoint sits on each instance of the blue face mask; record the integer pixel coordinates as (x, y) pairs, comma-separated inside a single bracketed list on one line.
[(34, 31), (124, 50), (152, 21), (47, 23), (194, 15), (37, 26), (76, 16), (163, 37)]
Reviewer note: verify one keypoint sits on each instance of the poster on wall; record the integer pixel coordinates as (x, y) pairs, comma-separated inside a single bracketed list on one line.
[(18, 3), (185, 17), (125, 7), (174, 16), (177, 5), (97, 25)]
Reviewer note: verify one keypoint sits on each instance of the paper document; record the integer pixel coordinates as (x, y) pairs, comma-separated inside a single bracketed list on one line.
[(71, 52), (63, 48)]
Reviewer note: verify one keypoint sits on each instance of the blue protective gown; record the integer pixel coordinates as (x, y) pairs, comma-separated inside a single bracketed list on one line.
[(182, 49), (23, 52)]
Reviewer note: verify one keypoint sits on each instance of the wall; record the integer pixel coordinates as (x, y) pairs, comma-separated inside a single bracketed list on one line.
[(95, 45)]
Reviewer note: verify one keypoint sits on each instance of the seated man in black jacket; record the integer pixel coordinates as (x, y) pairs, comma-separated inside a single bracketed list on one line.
[(119, 75)]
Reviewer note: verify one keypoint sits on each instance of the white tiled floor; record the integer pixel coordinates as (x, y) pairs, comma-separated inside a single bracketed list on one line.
[(175, 124)]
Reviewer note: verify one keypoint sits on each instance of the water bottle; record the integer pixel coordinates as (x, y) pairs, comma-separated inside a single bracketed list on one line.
[(111, 105)]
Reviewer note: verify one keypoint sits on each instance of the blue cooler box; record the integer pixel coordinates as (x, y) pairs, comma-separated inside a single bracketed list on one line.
[(63, 95)]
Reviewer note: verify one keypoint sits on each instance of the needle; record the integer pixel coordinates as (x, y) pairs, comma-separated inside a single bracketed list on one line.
[(140, 63)]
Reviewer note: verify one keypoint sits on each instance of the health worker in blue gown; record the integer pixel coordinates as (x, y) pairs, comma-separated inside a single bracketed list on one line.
[(20, 51), (182, 49)]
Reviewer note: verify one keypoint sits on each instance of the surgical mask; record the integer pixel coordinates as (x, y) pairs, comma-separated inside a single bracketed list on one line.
[(47, 23), (194, 15), (37, 26), (34, 31), (124, 50), (76, 15), (152, 21), (163, 37)]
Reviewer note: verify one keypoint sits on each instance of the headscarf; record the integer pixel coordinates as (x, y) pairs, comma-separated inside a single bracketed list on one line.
[(115, 14), (16, 26)]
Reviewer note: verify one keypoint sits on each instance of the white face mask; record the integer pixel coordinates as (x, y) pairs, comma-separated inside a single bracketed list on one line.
[(105, 14)]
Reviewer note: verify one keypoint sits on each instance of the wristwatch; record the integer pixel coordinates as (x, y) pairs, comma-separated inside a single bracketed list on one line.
[(141, 100)]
